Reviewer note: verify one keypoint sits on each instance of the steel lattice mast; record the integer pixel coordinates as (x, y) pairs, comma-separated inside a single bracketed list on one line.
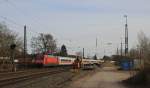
[(126, 36)]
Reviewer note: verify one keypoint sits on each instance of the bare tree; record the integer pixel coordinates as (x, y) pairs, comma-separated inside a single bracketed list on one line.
[(43, 43), (8, 37), (134, 53), (144, 46)]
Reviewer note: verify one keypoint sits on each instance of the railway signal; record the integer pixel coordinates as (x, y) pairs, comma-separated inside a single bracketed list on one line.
[(12, 46), (12, 57)]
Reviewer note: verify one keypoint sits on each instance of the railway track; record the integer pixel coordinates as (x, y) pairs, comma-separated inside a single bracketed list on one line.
[(17, 77), (28, 71), (10, 74)]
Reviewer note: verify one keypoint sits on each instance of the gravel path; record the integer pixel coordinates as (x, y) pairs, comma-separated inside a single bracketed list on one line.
[(108, 77)]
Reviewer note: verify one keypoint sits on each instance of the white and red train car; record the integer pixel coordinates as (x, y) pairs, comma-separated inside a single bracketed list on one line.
[(65, 60), (50, 60)]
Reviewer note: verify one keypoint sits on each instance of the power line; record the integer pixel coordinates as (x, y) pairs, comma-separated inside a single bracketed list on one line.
[(35, 20), (9, 20), (24, 14), (17, 24), (14, 6)]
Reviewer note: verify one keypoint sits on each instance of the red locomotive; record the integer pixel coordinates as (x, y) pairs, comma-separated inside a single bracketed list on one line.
[(50, 60)]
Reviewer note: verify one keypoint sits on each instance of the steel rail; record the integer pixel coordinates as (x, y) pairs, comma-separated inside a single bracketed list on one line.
[(13, 80)]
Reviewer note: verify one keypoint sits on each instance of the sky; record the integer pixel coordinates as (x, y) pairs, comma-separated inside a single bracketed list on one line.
[(77, 23)]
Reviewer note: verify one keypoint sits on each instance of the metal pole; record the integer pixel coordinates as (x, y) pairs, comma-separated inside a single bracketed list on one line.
[(96, 47), (12, 47), (12, 59), (25, 44), (121, 48), (104, 51), (140, 57), (83, 53), (117, 51), (126, 36)]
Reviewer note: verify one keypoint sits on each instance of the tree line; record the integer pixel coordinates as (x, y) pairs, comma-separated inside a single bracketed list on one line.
[(41, 44), (142, 50), (8, 37)]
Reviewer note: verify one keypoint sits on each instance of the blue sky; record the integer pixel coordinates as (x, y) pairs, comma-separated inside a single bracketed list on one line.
[(77, 23)]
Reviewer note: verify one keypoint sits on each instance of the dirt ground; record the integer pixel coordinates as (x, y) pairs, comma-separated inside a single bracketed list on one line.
[(107, 77)]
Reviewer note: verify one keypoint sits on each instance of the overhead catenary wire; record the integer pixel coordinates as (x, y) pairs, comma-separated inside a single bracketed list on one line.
[(9, 20), (35, 19), (17, 24), (29, 31), (29, 34), (22, 12)]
